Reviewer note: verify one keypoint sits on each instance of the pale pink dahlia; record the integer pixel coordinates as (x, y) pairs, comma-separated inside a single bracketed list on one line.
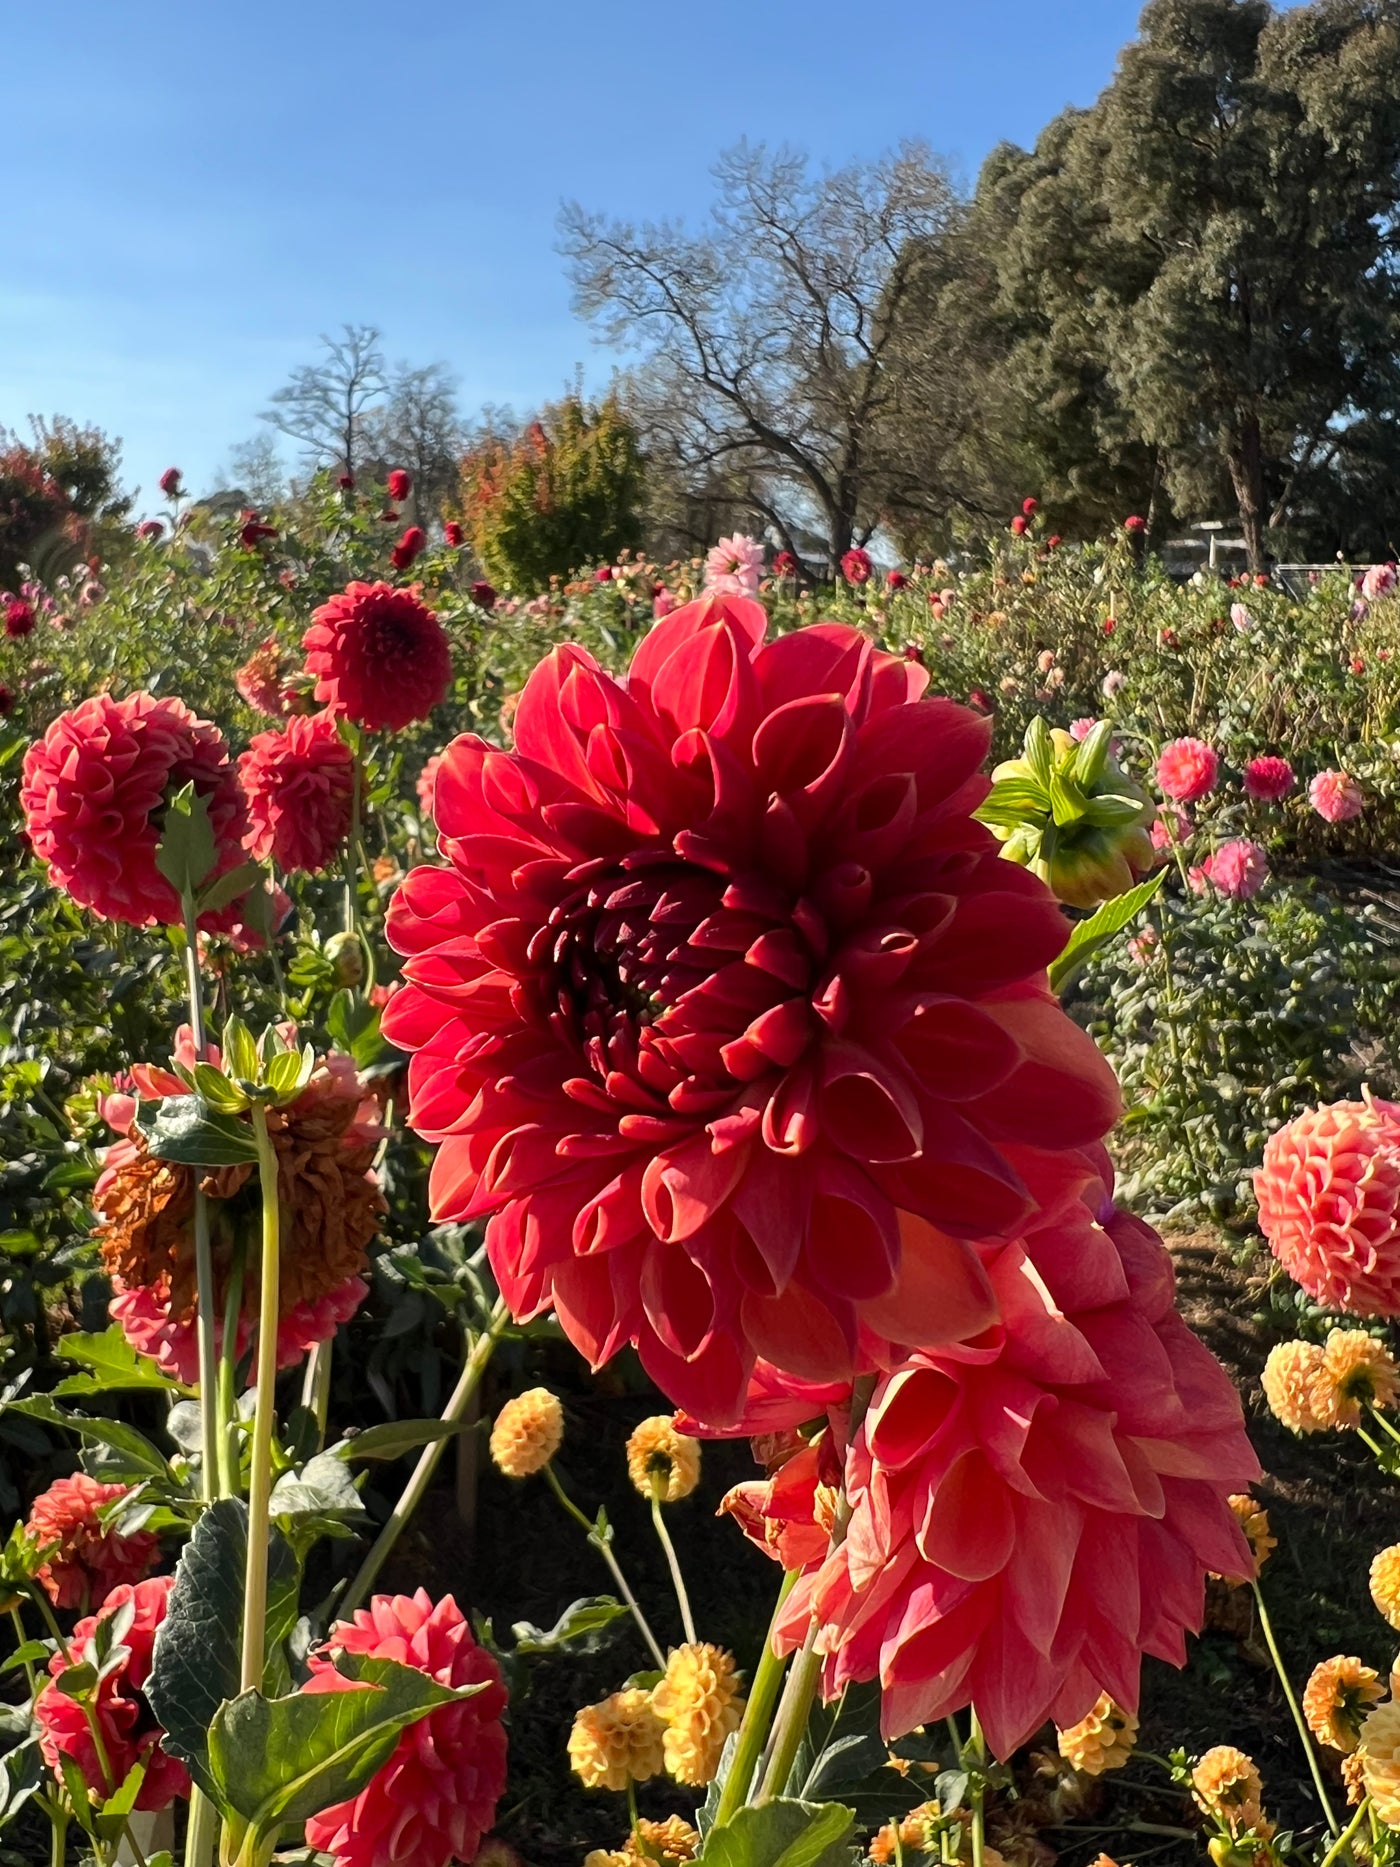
[(734, 566), (1336, 796), (1329, 1204)]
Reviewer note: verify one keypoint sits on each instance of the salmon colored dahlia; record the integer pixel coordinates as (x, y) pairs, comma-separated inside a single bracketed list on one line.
[(94, 794), (1329, 1204), (726, 1013), (379, 655), (86, 1559), (260, 681), (1187, 769), (1336, 1699), (124, 1721), (300, 786), (1336, 796), (434, 1799), (1035, 1509)]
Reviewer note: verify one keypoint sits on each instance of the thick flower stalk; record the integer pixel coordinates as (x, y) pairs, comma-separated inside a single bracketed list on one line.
[(725, 1013)]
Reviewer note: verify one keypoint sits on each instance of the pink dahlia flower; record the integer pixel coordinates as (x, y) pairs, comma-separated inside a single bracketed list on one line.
[(1238, 868), (1336, 796), (145, 1315), (380, 656), (434, 1799), (1170, 826), (1329, 1204), (86, 1560), (94, 792), (128, 1731), (726, 1010), (300, 785), (1187, 770), (425, 782), (1378, 581), (1268, 779), (1242, 619), (734, 566), (1035, 1509)]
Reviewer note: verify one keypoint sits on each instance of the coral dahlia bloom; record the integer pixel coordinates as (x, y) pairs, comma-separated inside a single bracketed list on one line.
[(424, 783), (1268, 778), (734, 566), (726, 1010), (87, 1560), (1329, 1204), (1378, 581), (379, 655), (1238, 868), (434, 1799), (1336, 796), (1187, 769), (129, 1732), (1336, 1699), (94, 793), (300, 787), (1034, 1510), (260, 681)]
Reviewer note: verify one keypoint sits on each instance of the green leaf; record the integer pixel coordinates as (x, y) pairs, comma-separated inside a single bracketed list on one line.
[(1039, 751), (111, 1363), (579, 1626), (32, 1653), (1096, 932), (21, 1773), (187, 850), (223, 1095), (134, 1447), (319, 1500), (198, 1649), (227, 887), (353, 1026), (1013, 800), (782, 1834), (1092, 754), (186, 1129), (392, 1438), (288, 1074)]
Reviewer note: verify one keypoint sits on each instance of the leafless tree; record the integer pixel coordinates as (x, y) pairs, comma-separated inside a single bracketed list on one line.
[(324, 405), (255, 467), (764, 343), (419, 427)]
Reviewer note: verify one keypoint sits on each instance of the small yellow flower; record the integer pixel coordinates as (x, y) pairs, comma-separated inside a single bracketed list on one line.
[(1288, 1379), (1385, 1583), (527, 1433), (1228, 1788), (1356, 1371), (659, 1456), (698, 1702), (672, 1842), (617, 1742), (1379, 1751), (1102, 1740), (1337, 1697), (1254, 1521)]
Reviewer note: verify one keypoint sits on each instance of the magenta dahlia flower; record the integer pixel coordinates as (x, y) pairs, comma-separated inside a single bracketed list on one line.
[(1336, 796), (86, 1559), (300, 787), (1238, 868), (94, 792), (727, 1013), (1329, 1204), (124, 1720), (1187, 770), (1268, 779), (380, 656), (434, 1799)]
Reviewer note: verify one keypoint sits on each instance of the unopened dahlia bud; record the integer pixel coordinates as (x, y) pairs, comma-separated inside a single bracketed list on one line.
[(662, 1461), (347, 958), (527, 1433)]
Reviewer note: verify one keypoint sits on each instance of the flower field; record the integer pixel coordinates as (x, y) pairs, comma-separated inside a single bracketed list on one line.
[(696, 1216)]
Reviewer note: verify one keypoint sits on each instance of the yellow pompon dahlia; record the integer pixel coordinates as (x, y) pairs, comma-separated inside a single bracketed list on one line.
[(698, 1702), (658, 1456), (1336, 1699), (1103, 1740), (1287, 1381), (672, 1842), (617, 1742), (1228, 1789), (1356, 1371), (1254, 1521), (1385, 1583), (527, 1433), (1379, 1751)]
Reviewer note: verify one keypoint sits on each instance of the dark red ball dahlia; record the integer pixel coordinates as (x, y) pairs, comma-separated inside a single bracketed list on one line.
[(300, 787), (452, 533), (94, 793), (399, 485), (172, 483), (380, 656), (410, 546), (19, 617), (726, 1010), (483, 594)]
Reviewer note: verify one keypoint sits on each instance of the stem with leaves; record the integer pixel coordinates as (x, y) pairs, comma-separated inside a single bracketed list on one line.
[(758, 1714), (601, 1539)]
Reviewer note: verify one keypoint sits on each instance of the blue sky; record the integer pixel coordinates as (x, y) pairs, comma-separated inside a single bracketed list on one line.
[(210, 187)]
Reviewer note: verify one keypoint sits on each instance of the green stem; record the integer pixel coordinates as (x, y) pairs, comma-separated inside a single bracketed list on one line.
[(1345, 1839), (758, 1715), (202, 1831), (664, 1537), (978, 1746), (428, 1459), (260, 1480), (614, 1567), (316, 1386), (31, 1678), (1383, 1422), (1266, 1628), (46, 1614), (58, 1849), (230, 1472), (203, 1252)]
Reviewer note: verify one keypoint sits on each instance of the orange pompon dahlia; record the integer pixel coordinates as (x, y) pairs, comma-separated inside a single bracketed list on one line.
[(1356, 1372), (94, 793), (1329, 1204), (725, 1012), (1288, 1379), (664, 1844), (1337, 1697), (528, 1432), (260, 681), (1228, 1788), (435, 1797), (123, 1719), (1102, 1740), (380, 656), (662, 1461), (617, 1742), (1254, 1521), (300, 786), (1385, 1583), (1379, 1754), (86, 1559), (698, 1702)]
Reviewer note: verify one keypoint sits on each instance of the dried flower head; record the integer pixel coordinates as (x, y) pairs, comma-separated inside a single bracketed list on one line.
[(1379, 1754), (527, 1433), (1228, 1788), (617, 1741), (1356, 1371), (662, 1461), (1289, 1374), (1385, 1583), (1337, 1698), (698, 1702), (1103, 1740), (1254, 1521)]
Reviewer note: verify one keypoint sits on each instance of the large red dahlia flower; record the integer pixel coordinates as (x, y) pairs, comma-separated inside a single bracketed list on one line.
[(434, 1799), (86, 1560), (1036, 1509), (128, 1730), (1329, 1204), (94, 792), (379, 655), (726, 1009), (300, 786)]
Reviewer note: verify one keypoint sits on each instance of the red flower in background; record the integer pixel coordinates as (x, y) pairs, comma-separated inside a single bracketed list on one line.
[(1268, 779), (94, 792), (252, 530), (399, 484), (1134, 524), (856, 566), (300, 787), (452, 532), (170, 483), (1336, 796), (149, 530), (483, 595), (727, 1012), (896, 580), (1030, 507), (380, 656), (409, 547), (1020, 525), (128, 1730), (427, 778), (346, 482), (1329, 1204), (784, 564), (88, 1559), (19, 617), (434, 1799)]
